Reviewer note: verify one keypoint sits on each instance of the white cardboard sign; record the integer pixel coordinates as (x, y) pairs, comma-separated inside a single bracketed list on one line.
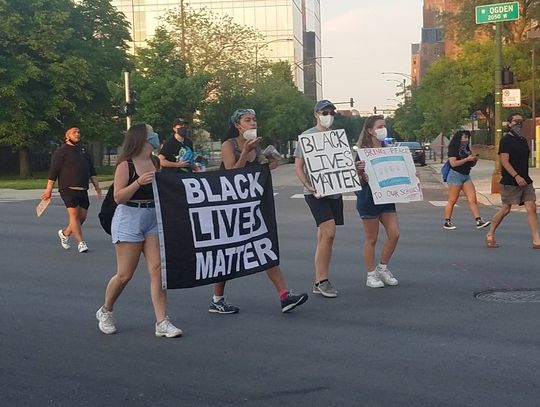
[(392, 175), (329, 162)]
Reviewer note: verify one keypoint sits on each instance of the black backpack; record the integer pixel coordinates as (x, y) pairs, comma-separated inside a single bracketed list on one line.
[(108, 206)]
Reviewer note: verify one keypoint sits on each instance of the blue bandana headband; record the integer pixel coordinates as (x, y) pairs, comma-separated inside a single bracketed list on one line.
[(237, 115)]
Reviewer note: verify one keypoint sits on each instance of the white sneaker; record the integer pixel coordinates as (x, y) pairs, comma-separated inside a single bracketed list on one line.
[(167, 329), (106, 321), (373, 280), (64, 240), (386, 276), (82, 247)]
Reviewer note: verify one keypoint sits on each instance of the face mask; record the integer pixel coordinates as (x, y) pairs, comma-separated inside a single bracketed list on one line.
[(250, 134), (326, 121), (464, 143), (381, 133), (153, 139), (516, 129)]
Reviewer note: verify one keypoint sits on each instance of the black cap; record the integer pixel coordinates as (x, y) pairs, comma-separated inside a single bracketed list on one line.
[(179, 121)]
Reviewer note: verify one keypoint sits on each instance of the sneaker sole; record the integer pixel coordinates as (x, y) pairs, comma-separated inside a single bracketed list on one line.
[(215, 311), (375, 286), (327, 295), (290, 307), (103, 330), (391, 284), (160, 335), (447, 228), (483, 226)]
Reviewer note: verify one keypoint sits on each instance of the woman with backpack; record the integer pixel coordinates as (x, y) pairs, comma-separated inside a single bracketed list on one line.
[(134, 228), (240, 149), (461, 161)]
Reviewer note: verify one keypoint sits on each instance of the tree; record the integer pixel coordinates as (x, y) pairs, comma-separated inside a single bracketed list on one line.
[(55, 62)]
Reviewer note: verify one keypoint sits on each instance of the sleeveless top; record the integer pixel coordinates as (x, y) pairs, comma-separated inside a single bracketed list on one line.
[(145, 192), (237, 152)]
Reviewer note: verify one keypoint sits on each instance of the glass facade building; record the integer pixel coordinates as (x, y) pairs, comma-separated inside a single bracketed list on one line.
[(291, 29)]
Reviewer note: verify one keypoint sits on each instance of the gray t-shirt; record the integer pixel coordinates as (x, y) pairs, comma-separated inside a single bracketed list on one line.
[(299, 153)]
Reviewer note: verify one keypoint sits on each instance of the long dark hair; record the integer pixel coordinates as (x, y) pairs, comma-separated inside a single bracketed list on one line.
[(232, 132), (365, 140), (134, 141), (456, 139)]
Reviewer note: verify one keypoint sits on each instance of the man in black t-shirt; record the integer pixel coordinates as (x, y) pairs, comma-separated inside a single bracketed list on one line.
[(516, 185), (73, 167), (177, 152)]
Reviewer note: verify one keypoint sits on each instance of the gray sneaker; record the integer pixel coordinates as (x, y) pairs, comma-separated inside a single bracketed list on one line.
[(386, 276), (222, 307), (326, 289), (106, 321), (166, 329)]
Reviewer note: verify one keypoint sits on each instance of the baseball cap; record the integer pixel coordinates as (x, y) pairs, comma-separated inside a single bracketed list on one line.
[(178, 121), (323, 104)]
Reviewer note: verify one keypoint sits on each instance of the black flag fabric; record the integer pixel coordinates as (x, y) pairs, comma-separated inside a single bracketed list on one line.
[(215, 226)]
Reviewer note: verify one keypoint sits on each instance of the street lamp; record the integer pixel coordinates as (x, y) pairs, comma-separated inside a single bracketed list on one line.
[(300, 64), (399, 73)]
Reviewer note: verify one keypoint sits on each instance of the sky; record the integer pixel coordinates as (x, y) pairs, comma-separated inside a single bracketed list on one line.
[(365, 38)]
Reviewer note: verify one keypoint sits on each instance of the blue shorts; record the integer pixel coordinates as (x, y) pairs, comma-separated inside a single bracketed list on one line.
[(456, 178), (133, 225), (366, 207)]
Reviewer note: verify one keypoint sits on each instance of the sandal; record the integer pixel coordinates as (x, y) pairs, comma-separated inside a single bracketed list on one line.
[(491, 242)]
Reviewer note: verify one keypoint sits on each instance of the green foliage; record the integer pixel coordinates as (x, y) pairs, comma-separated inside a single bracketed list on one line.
[(351, 124), (55, 61)]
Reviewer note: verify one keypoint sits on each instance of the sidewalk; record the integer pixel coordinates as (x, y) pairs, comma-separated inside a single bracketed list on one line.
[(7, 195), (481, 175)]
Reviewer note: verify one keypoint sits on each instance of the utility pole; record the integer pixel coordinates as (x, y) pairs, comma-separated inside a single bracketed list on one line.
[(495, 188), (182, 34), (127, 97), (532, 35)]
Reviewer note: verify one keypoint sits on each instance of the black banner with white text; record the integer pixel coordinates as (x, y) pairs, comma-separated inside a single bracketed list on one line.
[(215, 226)]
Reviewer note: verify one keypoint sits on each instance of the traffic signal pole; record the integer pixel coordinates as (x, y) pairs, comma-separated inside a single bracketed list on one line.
[(127, 97), (495, 189)]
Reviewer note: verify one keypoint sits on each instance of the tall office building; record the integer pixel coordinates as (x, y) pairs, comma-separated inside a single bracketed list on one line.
[(291, 29), (433, 44)]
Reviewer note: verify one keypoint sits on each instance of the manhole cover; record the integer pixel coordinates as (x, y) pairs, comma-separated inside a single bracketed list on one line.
[(510, 295)]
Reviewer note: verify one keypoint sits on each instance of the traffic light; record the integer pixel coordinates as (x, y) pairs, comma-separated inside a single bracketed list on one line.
[(351, 101), (507, 76), (374, 109), (131, 106)]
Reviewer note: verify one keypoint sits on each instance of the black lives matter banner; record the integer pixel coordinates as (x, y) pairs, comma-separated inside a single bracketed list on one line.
[(215, 226), (329, 162)]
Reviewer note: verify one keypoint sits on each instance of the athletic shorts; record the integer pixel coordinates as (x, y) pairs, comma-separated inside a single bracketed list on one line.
[(133, 225), (324, 209), (75, 197), (457, 178), (366, 207), (516, 195)]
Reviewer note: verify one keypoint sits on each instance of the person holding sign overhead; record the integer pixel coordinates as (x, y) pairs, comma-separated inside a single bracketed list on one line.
[(372, 136), (327, 211), (241, 149)]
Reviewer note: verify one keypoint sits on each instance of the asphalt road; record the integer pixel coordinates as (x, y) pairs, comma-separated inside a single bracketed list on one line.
[(427, 342)]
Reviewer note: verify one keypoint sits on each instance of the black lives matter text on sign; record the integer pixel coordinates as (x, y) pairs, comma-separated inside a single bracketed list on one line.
[(215, 226), (329, 162)]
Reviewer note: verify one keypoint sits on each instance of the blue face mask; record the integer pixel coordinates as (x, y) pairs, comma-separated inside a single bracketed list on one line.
[(153, 139)]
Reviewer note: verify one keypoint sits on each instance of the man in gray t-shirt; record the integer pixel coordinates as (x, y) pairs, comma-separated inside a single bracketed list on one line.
[(327, 211)]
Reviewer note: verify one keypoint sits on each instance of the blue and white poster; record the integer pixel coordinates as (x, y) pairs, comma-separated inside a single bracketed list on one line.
[(392, 175)]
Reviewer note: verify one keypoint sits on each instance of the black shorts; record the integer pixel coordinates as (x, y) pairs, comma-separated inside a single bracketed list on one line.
[(74, 197), (324, 209)]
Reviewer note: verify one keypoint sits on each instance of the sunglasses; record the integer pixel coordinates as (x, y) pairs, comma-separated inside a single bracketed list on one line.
[(328, 112)]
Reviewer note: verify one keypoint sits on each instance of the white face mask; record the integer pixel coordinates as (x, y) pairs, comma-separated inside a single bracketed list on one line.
[(326, 121), (381, 133), (250, 134)]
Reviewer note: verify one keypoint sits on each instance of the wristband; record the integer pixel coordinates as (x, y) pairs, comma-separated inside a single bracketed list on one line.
[(515, 176), (137, 181)]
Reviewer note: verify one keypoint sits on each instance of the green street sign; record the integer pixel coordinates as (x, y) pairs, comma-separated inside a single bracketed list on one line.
[(494, 13)]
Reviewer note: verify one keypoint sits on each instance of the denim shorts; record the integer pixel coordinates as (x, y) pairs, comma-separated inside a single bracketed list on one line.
[(457, 178), (133, 225), (366, 206)]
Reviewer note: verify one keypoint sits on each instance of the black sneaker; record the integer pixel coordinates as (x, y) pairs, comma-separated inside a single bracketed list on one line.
[(448, 225), (222, 307), (481, 224), (291, 301)]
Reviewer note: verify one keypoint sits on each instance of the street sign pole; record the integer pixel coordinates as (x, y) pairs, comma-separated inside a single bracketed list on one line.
[(495, 189), (126, 86)]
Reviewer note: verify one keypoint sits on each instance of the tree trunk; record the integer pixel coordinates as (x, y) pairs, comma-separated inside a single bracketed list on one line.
[(25, 169)]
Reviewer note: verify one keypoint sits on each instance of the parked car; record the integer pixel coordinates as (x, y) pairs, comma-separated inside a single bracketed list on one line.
[(417, 151)]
